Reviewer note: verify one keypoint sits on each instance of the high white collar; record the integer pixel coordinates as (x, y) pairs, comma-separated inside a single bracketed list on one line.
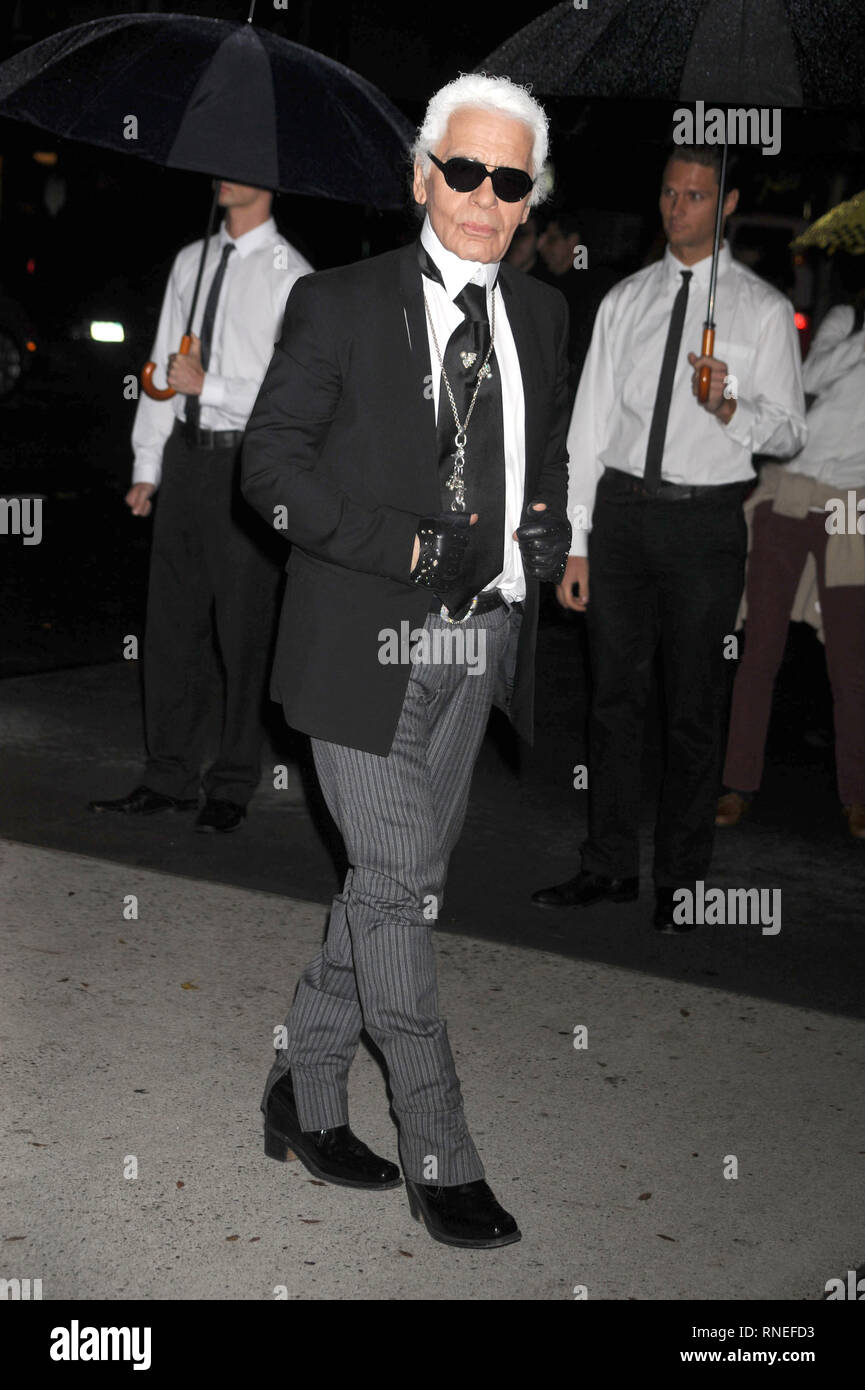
[(249, 241), (701, 269)]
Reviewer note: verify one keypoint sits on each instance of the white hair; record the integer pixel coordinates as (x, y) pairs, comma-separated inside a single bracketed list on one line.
[(475, 89)]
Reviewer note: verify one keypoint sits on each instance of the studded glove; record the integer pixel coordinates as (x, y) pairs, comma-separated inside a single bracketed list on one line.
[(544, 544), (443, 543)]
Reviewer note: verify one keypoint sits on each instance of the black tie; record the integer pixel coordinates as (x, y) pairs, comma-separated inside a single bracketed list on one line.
[(484, 473), (193, 404), (658, 428)]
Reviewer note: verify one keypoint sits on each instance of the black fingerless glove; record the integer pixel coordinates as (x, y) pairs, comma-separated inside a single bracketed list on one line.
[(544, 544), (443, 543)]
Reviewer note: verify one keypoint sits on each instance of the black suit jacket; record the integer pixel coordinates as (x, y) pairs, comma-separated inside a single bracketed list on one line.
[(342, 437)]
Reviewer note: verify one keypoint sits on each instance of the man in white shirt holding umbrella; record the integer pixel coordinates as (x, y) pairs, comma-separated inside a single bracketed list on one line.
[(213, 570), (656, 486)]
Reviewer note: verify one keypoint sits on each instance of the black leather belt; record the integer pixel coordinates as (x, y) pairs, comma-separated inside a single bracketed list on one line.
[(616, 481), (485, 604), (208, 439)]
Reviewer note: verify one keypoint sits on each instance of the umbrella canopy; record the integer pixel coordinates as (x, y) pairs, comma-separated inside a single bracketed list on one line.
[(840, 229), (215, 97), (742, 53), (735, 52)]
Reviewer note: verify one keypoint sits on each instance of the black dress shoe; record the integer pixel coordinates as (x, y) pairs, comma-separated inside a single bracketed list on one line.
[(585, 888), (219, 815), (144, 802), (662, 917), (334, 1155), (466, 1215)]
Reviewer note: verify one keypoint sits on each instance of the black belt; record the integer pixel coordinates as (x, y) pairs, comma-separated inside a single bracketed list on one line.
[(615, 480), (485, 603), (208, 439)]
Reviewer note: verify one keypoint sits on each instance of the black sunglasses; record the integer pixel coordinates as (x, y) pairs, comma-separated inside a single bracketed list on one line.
[(465, 175)]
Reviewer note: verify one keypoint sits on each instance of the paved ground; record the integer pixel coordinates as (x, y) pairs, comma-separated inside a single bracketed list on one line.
[(148, 1040)]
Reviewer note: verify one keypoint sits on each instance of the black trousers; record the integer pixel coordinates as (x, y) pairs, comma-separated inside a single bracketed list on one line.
[(214, 573), (669, 572)]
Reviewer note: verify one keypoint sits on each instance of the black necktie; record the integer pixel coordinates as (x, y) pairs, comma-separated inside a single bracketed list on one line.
[(193, 404), (658, 428), (484, 472)]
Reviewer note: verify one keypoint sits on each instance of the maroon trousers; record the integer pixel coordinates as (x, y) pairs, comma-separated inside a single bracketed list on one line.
[(779, 548)]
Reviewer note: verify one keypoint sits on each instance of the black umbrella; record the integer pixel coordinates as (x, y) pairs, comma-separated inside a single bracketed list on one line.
[(216, 97), (744, 53)]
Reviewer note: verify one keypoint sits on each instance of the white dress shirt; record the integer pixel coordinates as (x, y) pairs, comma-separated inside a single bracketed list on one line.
[(445, 315), (755, 335), (258, 277), (834, 371)]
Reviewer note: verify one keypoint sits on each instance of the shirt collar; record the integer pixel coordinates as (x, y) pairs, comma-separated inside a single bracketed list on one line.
[(456, 272), (249, 241), (702, 270)]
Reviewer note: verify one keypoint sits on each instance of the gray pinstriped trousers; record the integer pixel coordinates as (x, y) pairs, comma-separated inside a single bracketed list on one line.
[(400, 817)]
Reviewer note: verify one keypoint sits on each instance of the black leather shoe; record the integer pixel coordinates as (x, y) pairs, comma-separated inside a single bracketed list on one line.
[(219, 815), (334, 1155), (466, 1215), (144, 802), (584, 889), (662, 917)]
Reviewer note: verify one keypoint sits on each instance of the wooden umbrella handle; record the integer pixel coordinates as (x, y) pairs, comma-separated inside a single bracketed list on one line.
[(705, 377), (154, 392)]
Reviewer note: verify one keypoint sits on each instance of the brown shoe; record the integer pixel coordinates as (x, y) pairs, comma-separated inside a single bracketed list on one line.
[(856, 820), (731, 809)]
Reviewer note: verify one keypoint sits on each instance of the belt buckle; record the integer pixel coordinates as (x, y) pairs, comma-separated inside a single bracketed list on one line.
[(455, 622)]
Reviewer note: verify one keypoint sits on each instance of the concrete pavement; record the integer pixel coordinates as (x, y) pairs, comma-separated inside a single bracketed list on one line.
[(143, 1044)]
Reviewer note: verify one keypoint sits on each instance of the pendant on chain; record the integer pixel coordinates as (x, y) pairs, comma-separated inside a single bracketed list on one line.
[(456, 481)]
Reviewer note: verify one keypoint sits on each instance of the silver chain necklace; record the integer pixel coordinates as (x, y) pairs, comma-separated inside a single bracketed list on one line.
[(456, 481)]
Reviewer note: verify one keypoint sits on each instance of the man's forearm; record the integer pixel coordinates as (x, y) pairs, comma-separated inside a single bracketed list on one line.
[(765, 427)]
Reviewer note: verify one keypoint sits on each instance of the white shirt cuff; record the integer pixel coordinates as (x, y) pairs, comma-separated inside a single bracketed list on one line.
[(213, 390), (147, 468)]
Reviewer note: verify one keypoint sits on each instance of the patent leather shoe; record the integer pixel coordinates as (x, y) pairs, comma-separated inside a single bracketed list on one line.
[(467, 1215), (143, 801), (586, 888), (334, 1155), (219, 815)]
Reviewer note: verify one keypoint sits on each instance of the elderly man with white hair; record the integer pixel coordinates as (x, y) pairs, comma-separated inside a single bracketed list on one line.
[(409, 441)]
